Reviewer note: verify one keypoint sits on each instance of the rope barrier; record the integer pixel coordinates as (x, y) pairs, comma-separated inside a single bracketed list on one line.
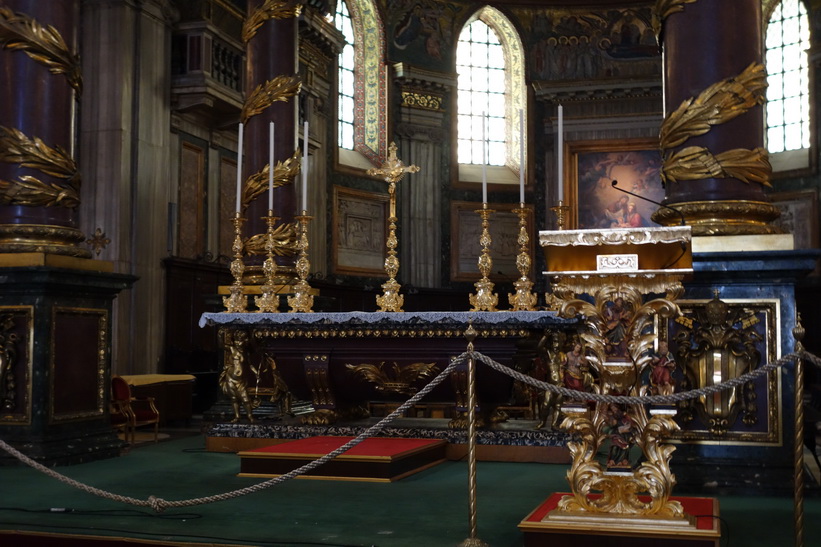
[(159, 504)]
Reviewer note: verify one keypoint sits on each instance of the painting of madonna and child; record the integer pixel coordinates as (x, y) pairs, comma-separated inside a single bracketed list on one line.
[(635, 165)]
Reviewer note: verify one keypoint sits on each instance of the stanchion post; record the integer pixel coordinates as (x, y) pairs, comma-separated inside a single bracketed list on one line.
[(472, 540), (798, 335)]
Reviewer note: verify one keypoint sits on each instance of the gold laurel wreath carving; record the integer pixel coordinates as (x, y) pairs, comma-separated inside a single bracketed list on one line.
[(271, 9), (44, 44), (284, 241), (284, 173), (16, 147), (696, 162), (719, 103), (264, 95), (665, 8)]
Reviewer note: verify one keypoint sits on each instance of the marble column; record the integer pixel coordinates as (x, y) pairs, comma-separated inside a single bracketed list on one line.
[(271, 52), (707, 43), (420, 139), (39, 186)]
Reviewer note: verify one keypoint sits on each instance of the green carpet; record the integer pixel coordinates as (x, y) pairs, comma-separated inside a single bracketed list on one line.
[(429, 508)]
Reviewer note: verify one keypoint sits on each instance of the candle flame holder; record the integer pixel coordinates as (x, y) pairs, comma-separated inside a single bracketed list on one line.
[(523, 299), (236, 302), (484, 299), (302, 300), (562, 212), (268, 301)]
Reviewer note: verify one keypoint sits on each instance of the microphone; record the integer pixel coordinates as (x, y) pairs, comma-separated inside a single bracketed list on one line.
[(676, 211)]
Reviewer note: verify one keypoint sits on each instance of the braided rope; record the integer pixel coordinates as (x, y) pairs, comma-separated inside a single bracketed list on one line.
[(159, 504)]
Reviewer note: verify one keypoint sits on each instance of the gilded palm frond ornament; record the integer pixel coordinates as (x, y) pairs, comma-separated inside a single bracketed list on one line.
[(719, 103), (696, 162), (284, 241), (664, 9), (264, 95), (43, 43), (271, 9), (16, 147), (284, 173)]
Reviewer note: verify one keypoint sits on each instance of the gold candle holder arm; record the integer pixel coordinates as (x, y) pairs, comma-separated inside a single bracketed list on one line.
[(302, 300), (523, 299), (268, 301), (236, 301), (484, 299)]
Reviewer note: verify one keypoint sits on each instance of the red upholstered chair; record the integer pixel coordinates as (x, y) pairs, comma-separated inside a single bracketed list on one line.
[(129, 413)]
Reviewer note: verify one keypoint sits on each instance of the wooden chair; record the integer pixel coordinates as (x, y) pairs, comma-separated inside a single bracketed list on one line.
[(128, 413)]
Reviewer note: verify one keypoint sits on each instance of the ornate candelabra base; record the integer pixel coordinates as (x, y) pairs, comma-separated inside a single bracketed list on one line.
[(302, 300), (484, 299), (523, 299), (236, 302), (268, 301)]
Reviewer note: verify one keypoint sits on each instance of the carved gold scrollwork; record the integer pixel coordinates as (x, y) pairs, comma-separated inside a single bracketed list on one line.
[(16, 147), (271, 9), (392, 378), (42, 43), (264, 95)]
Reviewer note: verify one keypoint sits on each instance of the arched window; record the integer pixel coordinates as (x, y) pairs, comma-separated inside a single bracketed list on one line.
[(491, 83), (362, 85), (788, 102)]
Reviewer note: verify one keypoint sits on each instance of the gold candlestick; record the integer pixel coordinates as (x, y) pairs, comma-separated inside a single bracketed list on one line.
[(523, 299), (302, 300), (561, 211), (484, 299), (393, 170), (268, 301), (236, 302)]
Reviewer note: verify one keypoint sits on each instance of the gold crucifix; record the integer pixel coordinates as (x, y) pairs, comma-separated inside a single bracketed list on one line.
[(392, 171)]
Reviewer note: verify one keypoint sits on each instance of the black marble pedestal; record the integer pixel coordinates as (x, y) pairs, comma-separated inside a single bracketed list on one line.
[(55, 340)]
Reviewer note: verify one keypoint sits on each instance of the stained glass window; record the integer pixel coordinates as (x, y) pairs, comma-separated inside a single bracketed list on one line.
[(345, 108)]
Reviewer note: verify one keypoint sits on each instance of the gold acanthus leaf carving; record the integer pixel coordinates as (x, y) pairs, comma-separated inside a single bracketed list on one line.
[(695, 163), (719, 103), (284, 241), (284, 173), (264, 95), (271, 9), (42, 43), (665, 8)]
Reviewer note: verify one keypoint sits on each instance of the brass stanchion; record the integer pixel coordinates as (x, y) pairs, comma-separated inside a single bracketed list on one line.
[(472, 540), (798, 334)]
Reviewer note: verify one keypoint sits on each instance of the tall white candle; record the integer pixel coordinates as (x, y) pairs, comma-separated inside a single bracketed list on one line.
[(305, 166), (239, 168), (521, 156), (560, 154), (484, 158), (271, 166)]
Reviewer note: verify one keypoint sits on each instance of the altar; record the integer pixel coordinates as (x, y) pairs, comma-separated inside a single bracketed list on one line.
[(352, 366)]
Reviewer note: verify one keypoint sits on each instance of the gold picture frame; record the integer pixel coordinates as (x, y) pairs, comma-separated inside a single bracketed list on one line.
[(359, 234), (593, 165), (466, 228)]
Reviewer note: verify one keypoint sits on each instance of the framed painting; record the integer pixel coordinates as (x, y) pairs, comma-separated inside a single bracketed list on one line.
[(799, 216), (360, 227), (592, 166), (466, 229)]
